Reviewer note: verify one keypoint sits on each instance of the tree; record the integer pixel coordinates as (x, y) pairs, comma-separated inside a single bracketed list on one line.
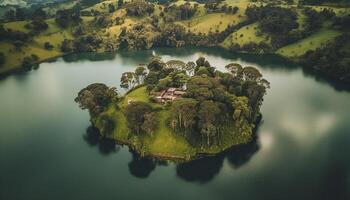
[(67, 17), (241, 115), (67, 45), (107, 125), (29, 62), (235, 69), (111, 8), (37, 25), (136, 113), (39, 14), (190, 67), (10, 15), (2, 59), (128, 80), (141, 73), (150, 123), (202, 71), (208, 114), (184, 112), (176, 64), (120, 3), (156, 64), (251, 74), (96, 98), (48, 46)]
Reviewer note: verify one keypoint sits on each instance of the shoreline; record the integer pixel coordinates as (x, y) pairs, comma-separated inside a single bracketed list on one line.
[(292, 60), (176, 158)]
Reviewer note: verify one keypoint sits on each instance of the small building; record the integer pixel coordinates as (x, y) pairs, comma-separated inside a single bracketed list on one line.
[(169, 94)]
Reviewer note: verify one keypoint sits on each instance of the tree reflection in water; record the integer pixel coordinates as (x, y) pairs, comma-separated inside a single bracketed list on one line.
[(201, 171), (105, 146)]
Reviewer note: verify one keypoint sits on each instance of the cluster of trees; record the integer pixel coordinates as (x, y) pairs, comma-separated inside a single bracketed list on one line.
[(129, 80), (67, 17), (315, 19), (2, 59), (318, 2), (213, 99), (332, 60), (276, 21), (140, 36), (162, 75), (85, 43), (251, 47), (139, 8), (342, 22), (8, 34), (182, 12), (172, 35), (22, 13), (37, 25), (96, 98), (141, 118), (30, 62), (212, 7)]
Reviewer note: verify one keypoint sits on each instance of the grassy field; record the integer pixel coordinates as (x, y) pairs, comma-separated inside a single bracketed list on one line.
[(245, 35), (312, 42), (213, 22), (54, 34)]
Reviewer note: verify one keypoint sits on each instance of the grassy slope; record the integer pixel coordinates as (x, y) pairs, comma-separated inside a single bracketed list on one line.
[(312, 42), (245, 35), (53, 34), (164, 141), (200, 23), (203, 22)]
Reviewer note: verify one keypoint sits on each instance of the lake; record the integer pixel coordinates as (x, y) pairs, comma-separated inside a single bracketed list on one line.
[(48, 151)]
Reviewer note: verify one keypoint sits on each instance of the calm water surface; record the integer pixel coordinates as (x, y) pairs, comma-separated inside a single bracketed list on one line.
[(47, 151)]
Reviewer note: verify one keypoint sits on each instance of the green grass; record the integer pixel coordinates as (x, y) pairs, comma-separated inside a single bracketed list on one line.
[(17, 26), (312, 42), (213, 22), (164, 142), (53, 34), (245, 35)]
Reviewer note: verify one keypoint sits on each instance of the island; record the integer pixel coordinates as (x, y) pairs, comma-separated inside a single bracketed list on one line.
[(178, 111)]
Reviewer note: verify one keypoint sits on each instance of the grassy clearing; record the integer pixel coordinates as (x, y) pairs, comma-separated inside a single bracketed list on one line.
[(17, 26), (214, 22), (53, 34), (245, 35), (312, 42)]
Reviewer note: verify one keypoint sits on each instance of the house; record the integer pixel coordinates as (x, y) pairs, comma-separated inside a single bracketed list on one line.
[(169, 94)]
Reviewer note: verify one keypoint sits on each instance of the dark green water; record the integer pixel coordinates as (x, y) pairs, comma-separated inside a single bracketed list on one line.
[(301, 151)]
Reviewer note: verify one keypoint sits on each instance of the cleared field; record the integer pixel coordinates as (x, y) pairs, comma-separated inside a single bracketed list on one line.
[(214, 22), (310, 43), (14, 57), (245, 35), (17, 26)]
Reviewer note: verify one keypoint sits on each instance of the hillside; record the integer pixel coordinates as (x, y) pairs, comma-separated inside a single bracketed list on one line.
[(289, 30)]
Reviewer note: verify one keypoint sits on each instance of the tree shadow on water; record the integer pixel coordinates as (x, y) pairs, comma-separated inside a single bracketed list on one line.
[(205, 169), (105, 146)]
